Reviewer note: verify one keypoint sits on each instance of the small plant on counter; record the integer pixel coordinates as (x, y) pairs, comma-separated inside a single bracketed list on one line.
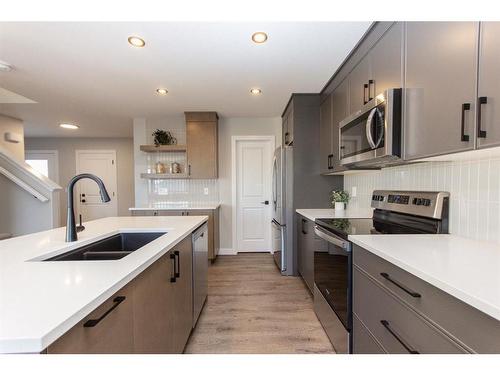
[(339, 199), (163, 137)]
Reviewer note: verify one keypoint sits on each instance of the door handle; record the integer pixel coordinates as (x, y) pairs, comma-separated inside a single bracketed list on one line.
[(464, 137), (482, 100), (265, 202), (394, 334), (94, 322), (173, 278)]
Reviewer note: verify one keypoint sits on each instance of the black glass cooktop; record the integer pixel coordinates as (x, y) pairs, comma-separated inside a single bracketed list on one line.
[(346, 227)]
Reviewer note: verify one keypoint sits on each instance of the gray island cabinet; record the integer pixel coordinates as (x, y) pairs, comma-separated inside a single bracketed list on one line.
[(397, 312), (152, 314)]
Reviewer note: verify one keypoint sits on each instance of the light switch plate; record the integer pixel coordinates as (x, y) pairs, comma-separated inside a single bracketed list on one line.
[(354, 191), (205, 191)]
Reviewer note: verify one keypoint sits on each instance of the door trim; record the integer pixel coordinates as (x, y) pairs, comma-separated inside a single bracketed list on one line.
[(234, 140)]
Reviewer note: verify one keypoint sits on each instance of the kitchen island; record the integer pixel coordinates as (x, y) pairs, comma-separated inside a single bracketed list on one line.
[(41, 301)]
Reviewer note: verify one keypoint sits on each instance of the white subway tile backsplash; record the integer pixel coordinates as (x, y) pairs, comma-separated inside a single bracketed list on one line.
[(474, 187)]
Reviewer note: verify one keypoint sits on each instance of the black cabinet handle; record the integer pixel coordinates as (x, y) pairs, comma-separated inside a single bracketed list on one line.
[(365, 94), (401, 286), (265, 202), (482, 100), (304, 221), (173, 279), (286, 138), (178, 271), (464, 137), (394, 334), (330, 161), (189, 169), (371, 83), (94, 322)]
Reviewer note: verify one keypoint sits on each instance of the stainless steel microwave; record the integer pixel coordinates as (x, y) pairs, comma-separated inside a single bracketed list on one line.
[(372, 136)]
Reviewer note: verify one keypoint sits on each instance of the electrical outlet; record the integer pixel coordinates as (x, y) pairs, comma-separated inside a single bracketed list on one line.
[(205, 191), (354, 191)]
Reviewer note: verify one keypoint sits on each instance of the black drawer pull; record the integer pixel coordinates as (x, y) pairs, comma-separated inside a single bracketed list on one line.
[(173, 279), (178, 271), (482, 100), (304, 222), (410, 350), (401, 286), (94, 322), (464, 137)]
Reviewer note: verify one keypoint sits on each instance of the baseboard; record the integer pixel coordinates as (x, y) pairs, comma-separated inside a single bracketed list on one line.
[(227, 252)]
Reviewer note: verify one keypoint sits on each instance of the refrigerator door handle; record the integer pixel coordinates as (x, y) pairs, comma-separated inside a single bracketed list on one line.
[(283, 257)]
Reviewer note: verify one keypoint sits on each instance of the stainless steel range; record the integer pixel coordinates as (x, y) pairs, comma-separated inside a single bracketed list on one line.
[(396, 212)]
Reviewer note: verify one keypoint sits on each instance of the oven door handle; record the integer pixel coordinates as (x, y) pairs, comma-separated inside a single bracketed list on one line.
[(346, 245)]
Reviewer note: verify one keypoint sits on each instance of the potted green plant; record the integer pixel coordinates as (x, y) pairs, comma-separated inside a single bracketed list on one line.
[(163, 137), (339, 199)]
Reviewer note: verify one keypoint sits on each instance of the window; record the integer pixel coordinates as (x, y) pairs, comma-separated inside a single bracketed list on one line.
[(40, 165)]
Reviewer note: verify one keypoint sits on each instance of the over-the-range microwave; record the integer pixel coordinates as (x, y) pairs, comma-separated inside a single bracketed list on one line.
[(372, 137)]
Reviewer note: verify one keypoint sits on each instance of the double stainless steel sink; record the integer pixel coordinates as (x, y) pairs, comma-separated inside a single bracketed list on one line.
[(110, 248)]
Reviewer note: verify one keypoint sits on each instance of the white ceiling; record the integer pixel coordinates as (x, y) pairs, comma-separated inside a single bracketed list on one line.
[(87, 73)]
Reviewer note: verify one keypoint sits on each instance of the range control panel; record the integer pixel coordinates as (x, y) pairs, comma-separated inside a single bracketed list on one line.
[(423, 203)]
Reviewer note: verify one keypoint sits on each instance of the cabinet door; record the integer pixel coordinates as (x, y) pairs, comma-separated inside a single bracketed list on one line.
[(340, 110), (309, 245), (441, 59), (202, 153), (289, 126), (358, 78), (489, 84), (111, 332), (182, 309), (153, 313), (300, 245), (386, 61), (325, 134)]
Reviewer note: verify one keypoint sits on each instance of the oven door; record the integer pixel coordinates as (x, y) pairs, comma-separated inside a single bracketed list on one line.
[(333, 285)]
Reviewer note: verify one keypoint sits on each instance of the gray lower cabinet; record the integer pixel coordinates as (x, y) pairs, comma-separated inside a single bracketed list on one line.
[(213, 224), (489, 85), (441, 66), (417, 316), (305, 242), (363, 341), (151, 314)]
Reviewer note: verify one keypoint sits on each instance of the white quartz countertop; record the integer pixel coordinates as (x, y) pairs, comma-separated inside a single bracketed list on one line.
[(180, 206), (469, 270), (330, 213), (40, 301)]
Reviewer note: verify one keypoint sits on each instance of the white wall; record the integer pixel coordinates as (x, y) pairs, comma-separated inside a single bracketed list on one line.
[(12, 125), (474, 187), (229, 127), (67, 164)]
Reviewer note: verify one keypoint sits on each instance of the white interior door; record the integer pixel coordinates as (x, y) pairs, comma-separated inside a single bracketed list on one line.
[(103, 165), (253, 171)]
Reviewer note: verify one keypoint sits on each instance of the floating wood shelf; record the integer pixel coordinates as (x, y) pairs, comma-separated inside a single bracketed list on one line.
[(163, 148), (163, 176)]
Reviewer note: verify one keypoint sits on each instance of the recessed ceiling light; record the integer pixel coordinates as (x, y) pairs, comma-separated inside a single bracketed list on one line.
[(136, 41), (256, 91), (69, 126), (259, 37), (162, 91)]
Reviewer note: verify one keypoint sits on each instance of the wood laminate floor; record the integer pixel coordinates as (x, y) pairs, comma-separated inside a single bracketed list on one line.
[(251, 308)]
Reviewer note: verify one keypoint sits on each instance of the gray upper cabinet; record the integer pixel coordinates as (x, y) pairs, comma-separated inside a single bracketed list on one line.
[(358, 82), (287, 126), (325, 134), (441, 62), (386, 61), (340, 110), (489, 85)]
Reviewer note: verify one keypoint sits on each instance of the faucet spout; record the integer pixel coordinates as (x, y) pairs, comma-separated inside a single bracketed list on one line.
[(70, 219)]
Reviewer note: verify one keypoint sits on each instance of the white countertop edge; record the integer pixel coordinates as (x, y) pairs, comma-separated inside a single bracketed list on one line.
[(174, 208), (329, 213), (478, 303), (37, 345)]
